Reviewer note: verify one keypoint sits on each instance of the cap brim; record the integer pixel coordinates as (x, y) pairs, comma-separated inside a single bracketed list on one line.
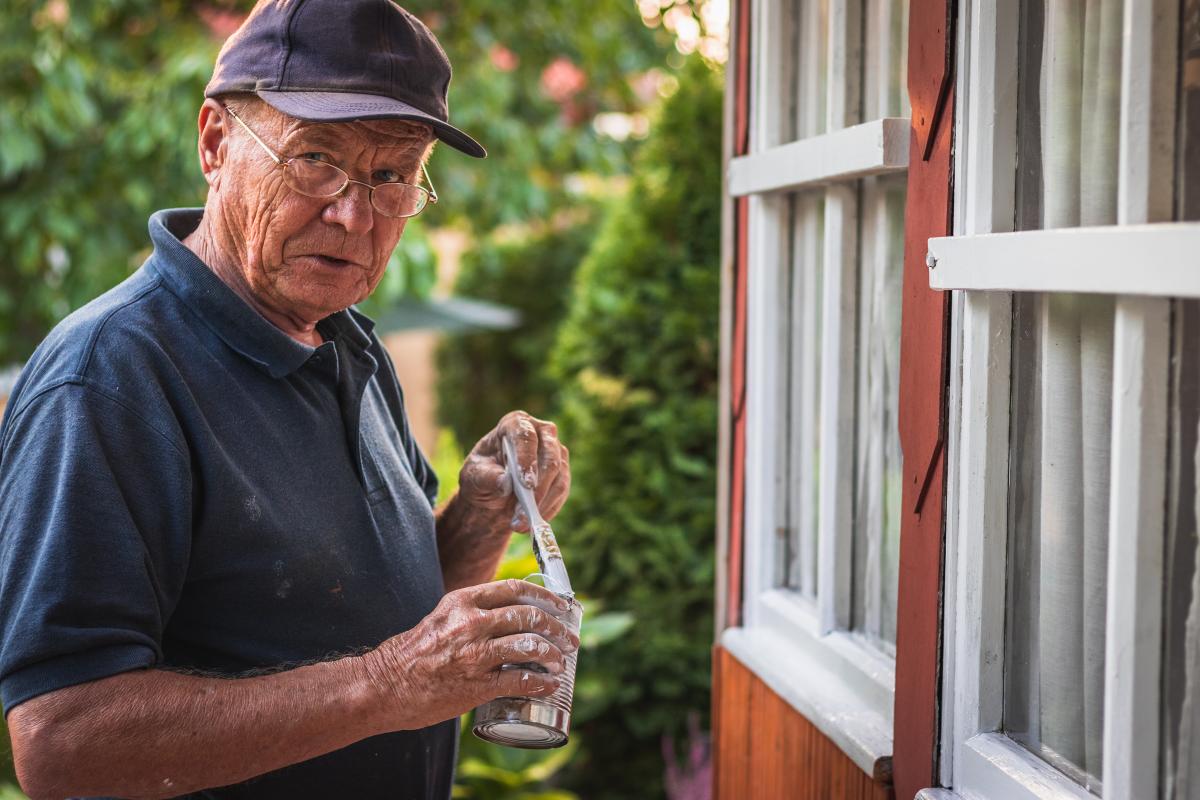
[(347, 106)]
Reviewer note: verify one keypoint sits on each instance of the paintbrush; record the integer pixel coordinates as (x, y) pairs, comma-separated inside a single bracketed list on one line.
[(545, 546)]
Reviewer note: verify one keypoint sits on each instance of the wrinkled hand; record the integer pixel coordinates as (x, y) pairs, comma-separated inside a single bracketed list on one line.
[(450, 662), (544, 465)]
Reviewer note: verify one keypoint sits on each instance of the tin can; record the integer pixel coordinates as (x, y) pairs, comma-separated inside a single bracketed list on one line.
[(534, 723)]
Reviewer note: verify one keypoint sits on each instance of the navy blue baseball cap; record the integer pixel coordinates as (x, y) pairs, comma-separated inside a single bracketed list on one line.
[(341, 60)]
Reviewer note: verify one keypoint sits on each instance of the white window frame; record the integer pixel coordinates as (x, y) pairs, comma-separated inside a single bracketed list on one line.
[(977, 759), (802, 649)]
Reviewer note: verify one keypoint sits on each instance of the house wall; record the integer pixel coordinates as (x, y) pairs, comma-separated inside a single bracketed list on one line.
[(763, 749)]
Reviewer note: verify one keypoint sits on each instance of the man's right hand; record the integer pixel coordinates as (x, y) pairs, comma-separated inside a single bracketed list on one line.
[(450, 662)]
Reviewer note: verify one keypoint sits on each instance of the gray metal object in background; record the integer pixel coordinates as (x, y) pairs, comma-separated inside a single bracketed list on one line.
[(448, 314)]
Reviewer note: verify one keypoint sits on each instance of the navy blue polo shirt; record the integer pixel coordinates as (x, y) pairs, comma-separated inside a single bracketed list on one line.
[(184, 486)]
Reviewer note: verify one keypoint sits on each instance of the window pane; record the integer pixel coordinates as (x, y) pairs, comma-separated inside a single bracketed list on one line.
[(811, 82), (1181, 607), (1181, 611), (885, 87), (1070, 86), (800, 441), (877, 487), (1061, 403), (1188, 181), (1058, 529)]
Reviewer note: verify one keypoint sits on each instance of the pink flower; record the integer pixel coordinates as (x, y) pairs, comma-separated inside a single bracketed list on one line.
[(221, 23), (693, 780), (562, 80), (503, 59)]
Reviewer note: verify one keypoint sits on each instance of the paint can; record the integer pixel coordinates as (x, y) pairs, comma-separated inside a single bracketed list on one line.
[(533, 723)]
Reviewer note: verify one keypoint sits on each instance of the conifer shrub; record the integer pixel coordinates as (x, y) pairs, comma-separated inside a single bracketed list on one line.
[(482, 375), (636, 364)]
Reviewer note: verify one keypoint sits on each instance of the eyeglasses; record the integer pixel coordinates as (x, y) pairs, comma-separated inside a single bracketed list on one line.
[(314, 178)]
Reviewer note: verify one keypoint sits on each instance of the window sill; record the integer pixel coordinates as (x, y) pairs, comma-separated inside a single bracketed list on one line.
[(831, 699), (996, 768)]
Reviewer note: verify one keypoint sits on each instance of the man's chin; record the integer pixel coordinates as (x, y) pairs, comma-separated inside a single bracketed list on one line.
[(316, 301)]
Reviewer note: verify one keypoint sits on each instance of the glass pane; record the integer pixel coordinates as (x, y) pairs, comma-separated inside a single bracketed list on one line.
[(1181, 610), (1070, 85), (1181, 569), (801, 446), (877, 488), (811, 47), (1188, 182), (1061, 403), (1058, 529), (885, 56)]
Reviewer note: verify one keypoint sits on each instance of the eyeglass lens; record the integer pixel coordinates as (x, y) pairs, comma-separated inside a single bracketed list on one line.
[(319, 179)]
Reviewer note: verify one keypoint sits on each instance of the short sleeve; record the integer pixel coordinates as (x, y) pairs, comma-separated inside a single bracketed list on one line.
[(95, 527)]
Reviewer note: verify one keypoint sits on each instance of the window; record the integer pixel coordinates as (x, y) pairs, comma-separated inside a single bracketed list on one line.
[(825, 177), (1071, 640)]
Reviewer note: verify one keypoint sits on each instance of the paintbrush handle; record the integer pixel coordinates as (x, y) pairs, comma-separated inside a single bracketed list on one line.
[(524, 494), (545, 546)]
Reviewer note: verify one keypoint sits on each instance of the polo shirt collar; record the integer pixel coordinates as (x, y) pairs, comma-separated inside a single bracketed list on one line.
[(229, 316)]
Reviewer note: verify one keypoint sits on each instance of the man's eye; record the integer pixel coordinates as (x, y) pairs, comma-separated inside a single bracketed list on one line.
[(316, 157), (387, 176)]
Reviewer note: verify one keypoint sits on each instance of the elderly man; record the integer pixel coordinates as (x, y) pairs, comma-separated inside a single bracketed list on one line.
[(219, 560)]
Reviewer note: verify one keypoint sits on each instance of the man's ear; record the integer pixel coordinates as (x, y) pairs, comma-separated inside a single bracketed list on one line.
[(213, 143)]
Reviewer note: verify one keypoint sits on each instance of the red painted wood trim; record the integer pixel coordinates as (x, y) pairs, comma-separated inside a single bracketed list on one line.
[(924, 349), (737, 469)]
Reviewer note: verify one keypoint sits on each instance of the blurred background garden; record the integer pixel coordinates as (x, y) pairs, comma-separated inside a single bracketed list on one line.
[(573, 273)]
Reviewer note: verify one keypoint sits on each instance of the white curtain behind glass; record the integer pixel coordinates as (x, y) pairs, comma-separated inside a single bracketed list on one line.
[(877, 458), (1064, 532)]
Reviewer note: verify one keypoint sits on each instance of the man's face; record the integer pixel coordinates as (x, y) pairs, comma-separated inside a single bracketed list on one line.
[(308, 257)]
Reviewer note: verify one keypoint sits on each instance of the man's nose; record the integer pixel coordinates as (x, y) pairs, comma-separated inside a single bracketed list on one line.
[(352, 208)]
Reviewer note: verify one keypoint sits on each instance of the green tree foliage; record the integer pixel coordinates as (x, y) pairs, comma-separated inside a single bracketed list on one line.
[(98, 106), (528, 80), (637, 360), (482, 376)]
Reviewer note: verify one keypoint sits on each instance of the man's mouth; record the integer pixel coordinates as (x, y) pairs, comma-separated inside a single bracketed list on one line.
[(333, 261)]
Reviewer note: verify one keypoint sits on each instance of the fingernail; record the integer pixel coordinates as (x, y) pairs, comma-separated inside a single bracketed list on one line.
[(555, 667)]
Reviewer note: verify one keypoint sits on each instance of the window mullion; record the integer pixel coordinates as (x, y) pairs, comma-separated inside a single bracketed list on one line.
[(978, 473), (982, 526), (1135, 555)]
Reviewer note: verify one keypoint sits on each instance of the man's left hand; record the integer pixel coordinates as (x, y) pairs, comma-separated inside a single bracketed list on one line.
[(543, 463)]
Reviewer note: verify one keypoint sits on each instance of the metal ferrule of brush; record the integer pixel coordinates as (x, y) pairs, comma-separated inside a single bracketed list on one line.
[(526, 722)]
